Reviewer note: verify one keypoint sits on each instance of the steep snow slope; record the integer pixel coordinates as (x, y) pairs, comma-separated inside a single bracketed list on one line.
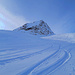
[(26, 54), (36, 28)]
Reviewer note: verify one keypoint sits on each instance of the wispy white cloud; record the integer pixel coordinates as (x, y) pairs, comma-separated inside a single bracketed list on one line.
[(9, 20)]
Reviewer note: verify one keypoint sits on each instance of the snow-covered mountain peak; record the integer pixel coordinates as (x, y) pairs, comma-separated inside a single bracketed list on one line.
[(36, 28)]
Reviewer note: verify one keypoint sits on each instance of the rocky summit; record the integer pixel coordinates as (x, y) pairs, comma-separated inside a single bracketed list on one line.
[(36, 28)]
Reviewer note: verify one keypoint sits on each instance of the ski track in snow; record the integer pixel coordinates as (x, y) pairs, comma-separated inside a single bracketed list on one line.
[(6, 57), (46, 66), (33, 61), (49, 67)]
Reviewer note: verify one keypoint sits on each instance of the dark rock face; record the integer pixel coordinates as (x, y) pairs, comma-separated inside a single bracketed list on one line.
[(36, 28)]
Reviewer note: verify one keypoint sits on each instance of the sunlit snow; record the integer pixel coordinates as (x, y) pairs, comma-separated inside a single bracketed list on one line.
[(26, 54)]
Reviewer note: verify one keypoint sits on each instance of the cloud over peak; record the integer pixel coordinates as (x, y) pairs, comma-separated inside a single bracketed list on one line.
[(9, 21)]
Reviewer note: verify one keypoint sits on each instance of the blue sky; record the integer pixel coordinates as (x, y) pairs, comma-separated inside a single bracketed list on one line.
[(59, 14)]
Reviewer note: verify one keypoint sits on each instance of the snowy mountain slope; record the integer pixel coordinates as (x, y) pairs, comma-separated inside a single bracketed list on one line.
[(69, 37), (36, 28), (26, 54)]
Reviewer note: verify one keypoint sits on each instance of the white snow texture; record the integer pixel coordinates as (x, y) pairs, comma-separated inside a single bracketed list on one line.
[(27, 54)]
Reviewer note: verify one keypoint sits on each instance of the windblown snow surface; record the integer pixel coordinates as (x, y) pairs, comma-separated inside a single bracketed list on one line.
[(26, 54)]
